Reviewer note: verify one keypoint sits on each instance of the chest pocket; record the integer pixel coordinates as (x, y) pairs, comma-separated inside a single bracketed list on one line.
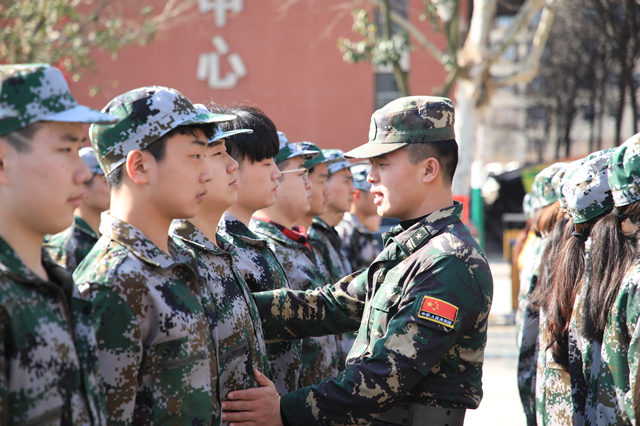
[(384, 305)]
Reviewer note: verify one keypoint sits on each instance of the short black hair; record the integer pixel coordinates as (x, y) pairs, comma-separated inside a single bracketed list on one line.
[(263, 143), (20, 139), (158, 149), (446, 152)]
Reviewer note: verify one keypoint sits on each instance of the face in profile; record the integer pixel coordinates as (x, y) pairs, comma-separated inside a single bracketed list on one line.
[(319, 192), (222, 189), (257, 184), (294, 193)]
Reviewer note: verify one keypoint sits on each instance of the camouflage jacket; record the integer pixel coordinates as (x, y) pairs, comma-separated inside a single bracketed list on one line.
[(326, 242), (554, 404), (238, 331), (620, 354), (527, 322), (155, 349), (320, 355), (423, 331), (359, 246), (70, 246), (48, 371), (262, 272)]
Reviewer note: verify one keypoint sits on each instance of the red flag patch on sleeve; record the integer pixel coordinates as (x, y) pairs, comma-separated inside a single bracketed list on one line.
[(438, 311)]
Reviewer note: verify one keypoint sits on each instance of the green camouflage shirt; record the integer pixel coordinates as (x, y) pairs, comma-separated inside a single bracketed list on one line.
[(48, 371), (238, 331), (262, 272), (320, 355), (326, 242), (155, 348), (423, 331), (70, 246), (359, 246), (620, 354)]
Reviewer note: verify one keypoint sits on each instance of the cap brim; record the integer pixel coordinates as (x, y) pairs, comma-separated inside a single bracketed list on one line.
[(80, 114), (370, 149), (226, 134), (203, 117)]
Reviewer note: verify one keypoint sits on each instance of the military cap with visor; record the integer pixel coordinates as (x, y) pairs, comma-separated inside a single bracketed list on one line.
[(337, 161), (360, 171), (289, 150), (543, 192), (312, 160), (30, 93), (624, 172), (407, 120), (145, 115)]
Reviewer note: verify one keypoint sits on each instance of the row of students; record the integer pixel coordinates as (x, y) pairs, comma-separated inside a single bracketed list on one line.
[(579, 306)]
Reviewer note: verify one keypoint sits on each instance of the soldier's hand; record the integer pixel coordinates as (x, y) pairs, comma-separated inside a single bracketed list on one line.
[(255, 406)]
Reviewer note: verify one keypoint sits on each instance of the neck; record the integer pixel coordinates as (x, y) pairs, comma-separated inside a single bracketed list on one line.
[(26, 243), (370, 222), (241, 213), (136, 212), (306, 221), (332, 218), (276, 215), (207, 222), (90, 216)]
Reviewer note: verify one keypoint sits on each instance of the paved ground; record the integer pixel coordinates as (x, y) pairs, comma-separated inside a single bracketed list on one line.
[(501, 402)]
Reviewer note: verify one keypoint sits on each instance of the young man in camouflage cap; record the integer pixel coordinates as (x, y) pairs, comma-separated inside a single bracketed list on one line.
[(156, 347), (316, 163), (257, 188), (419, 350), (48, 373), (358, 229), (70, 246), (277, 225)]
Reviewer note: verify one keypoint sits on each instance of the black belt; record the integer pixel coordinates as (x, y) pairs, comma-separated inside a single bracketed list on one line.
[(418, 414)]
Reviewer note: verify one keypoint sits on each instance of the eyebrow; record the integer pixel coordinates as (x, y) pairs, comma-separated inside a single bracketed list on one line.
[(74, 139), (215, 143), (200, 142)]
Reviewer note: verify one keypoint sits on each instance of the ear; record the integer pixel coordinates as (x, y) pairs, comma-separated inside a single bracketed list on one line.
[(137, 166), (430, 170)]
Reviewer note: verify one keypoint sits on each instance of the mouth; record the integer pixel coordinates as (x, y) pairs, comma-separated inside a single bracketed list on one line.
[(275, 188), (377, 197), (234, 182), (76, 200), (201, 195)]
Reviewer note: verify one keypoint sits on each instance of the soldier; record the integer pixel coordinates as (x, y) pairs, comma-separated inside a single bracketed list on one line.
[(155, 345), (359, 226), (276, 224), (237, 327), (316, 163), (257, 185), (48, 373), (70, 246), (419, 350)]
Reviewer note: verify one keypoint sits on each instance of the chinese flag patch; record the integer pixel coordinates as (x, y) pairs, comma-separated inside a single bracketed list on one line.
[(438, 311)]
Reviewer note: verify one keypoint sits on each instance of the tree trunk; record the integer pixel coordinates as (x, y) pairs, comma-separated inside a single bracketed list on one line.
[(465, 127)]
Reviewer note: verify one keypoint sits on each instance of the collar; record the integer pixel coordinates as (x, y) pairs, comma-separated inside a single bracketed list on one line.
[(83, 226), (188, 232), (282, 234), (319, 223), (231, 226), (135, 241)]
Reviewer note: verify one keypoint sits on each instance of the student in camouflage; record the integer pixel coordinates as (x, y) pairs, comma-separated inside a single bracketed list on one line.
[(276, 224), (421, 340), (156, 348), (48, 373), (70, 246), (359, 226), (257, 185)]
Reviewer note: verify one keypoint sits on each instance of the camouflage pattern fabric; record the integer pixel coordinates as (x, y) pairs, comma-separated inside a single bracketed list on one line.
[(48, 355), (155, 347), (39, 92), (407, 120), (320, 355), (145, 115), (620, 354), (262, 272), (543, 191), (554, 405), (422, 334), (239, 337), (527, 325), (623, 172), (359, 245), (69, 247)]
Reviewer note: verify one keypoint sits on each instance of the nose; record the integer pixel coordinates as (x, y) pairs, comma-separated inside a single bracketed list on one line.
[(205, 171), (371, 177), (82, 174), (275, 172), (307, 183), (232, 164)]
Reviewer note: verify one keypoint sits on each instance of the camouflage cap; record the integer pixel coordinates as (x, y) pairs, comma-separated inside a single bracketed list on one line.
[(311, 160), (336, 160), (542, 190), (88, 155), (218, 132), (527, 207), (558, 181), (360, 171), (38, 92), (407, 120), (146, 114), (624, 172), (288, 150), (586, 188)]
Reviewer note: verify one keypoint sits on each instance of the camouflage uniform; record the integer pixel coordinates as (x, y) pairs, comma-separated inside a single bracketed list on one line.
[(48, 373), (326, 242), (70, 246), (262, 272), (359, 245), (155, 348), (320, 356), (407, 348), (238, 333)]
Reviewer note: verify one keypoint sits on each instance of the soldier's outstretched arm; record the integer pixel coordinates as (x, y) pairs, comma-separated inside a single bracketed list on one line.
[(332, 309)]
